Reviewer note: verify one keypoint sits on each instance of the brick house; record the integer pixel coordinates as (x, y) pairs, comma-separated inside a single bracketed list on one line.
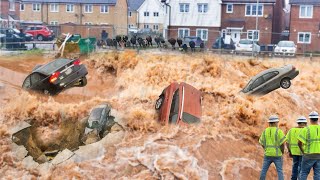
[(239, 20), (305, 24), (201, 18), (79, 12), (133, 6), (9, 13)]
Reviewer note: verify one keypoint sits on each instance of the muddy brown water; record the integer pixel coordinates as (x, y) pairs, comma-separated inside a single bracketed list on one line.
[(224, 146)]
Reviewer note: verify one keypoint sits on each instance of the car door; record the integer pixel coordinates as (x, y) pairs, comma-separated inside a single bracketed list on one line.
[(190, 111), (271, 83), (257, 86), (37, 81)]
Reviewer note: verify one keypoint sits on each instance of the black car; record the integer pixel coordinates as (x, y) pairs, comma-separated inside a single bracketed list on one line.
[(11, 39), (56, 76), (26, 36), (220, 44)]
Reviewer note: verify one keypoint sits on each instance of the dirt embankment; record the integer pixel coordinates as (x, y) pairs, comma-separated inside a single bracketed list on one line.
[(223, 146)]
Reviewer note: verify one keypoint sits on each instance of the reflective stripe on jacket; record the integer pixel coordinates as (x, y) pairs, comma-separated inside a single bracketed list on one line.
[(292, 138), (271, 139), (310, 137)]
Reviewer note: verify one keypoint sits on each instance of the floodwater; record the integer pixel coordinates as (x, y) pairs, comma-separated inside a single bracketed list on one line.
[(223, 146)]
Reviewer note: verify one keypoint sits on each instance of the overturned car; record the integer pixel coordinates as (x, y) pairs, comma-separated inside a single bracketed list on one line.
[(179, 104)]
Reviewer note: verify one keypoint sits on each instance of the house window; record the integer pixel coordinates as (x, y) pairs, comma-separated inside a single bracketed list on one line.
[(251, 10), (146, 26), (88, 23), (203, 34), (104, 9), (183, 32), (203, 7), (130, 13), (146, 13), (54, 23), (156, 27), (229, 8), (36, 7), (253, 35), (11, 5), (304, 37), (184, 7), (21, 7), (306, 11), (88, 8), (156, 14), (54, 8), (69, 8)]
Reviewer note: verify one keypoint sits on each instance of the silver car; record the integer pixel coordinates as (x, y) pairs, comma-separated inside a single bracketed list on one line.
[(285, 48), (271, 79), (247, 46), (99, 120)]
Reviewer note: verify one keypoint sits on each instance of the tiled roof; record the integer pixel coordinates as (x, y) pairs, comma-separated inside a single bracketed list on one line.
[(312, 2), (74, 1), (248, 1), (134, 5)]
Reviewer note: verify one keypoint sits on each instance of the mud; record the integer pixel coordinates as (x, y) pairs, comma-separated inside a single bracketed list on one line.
[(223, 146)]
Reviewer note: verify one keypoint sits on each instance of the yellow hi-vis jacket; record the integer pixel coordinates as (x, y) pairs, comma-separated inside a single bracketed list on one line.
[(310, 137), (271, 139), (292, 139)]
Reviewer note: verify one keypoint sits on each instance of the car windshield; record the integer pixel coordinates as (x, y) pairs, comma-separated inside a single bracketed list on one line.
[(53, 66), (245, 41), (174, 108), (246, 89), (16, 31), (286, 44), (95, 114)]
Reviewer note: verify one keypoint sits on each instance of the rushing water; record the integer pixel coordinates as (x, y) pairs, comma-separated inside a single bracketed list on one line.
[(223, 146)]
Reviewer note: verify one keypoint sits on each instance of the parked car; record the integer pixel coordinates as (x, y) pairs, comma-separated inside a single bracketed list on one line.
[(179, 104), (56, 76), (271, 79), (246, 45), (145, 30), (26, 36), (198, 41), (285, 48), (133, 30), (40, 32), (220, 43), (100, 120), (12, 40)]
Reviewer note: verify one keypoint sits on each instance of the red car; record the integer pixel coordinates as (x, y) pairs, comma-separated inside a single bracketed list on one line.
[(179, 104), (40, 32)]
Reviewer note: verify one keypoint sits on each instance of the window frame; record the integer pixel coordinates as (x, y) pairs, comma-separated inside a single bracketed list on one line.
[(156, 13), (106, 10), (201, 8), (88, 23), (201, 34), (55, 23), (227, 9), (56, 9), (88, 5), (146, 13), (252, 88), (71, 5), (184, 5), (272, 72), (184, 30), (130, 14), (156, 25), (22, 5), (251, 10), (304, 37), (253, 31), (12, 5), (36, 5), (146, 26), (305, 16)]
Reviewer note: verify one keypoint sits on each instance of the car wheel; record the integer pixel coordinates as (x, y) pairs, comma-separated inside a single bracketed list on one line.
[(40, 38), (285, 83), (159, 103), (83, 82)]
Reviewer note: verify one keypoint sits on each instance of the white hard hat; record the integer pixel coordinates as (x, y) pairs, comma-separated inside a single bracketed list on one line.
[(313, 115), (302, 119), (273, 118)]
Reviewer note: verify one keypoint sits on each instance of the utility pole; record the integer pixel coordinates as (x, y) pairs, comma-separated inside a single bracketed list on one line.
[(256, 31), (167, 4)]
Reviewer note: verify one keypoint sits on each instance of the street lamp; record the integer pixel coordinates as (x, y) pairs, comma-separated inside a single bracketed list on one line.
[(167, 4)]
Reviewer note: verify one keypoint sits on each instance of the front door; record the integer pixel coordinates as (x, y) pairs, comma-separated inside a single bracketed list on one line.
[(235, 35)]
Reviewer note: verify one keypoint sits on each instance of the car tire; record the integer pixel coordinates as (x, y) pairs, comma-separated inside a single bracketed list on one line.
[(40, 38), (285, 83), (159, 103), (83, 82)]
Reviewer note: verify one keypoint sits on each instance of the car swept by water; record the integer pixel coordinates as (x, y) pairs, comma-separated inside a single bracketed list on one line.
[(179, 104), (56, 76), (271, 79)]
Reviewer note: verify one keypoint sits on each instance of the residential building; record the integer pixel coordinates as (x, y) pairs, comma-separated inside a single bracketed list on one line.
[(80, 12), (9, 13), (200, 18), (133, 6), (151, 15), (240, 18), (305, 24)]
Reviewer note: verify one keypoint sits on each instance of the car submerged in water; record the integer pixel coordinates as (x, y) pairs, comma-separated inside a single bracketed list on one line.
[(271, 79), (56, 76), (179, 104)]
